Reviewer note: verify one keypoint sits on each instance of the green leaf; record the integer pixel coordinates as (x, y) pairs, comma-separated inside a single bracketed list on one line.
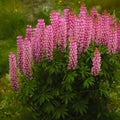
[(44, 97), (88, 82), (70, 77), (80, 107), (104, 88), (68, 96), (60, 112), (49, 107)]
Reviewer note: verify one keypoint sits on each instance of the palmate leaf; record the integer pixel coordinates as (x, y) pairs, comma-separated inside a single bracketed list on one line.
[(60, 112), (104, 88), (49, 107), (70, 77), (68, 96), (88, 82), (80, 107), (44, 97)]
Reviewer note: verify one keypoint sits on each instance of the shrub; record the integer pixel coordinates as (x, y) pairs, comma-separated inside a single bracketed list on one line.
[(67, 69)]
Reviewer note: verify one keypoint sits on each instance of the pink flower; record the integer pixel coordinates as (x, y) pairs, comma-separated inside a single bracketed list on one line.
[(38, 41), (81, 29), (96, 63), (37, 55), (96, 29), (54, 18), (72, 27), (83, 11), (29, 32), (49, 42), (41, 32), (13, 72), (63, 34), (105, 28), (112, 41), (88, 33), (94, 12), (72, 55), (20, 52), (27, 57), (66, 16), (118, 37)]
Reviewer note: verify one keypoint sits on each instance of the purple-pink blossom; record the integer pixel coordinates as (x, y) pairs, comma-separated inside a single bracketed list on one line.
[(118, 37), (96, 63), (62, 34), (20, 52), (29, 32), (49, 42), (27, 59), (13, 71), (38, 41), (88, 33), (72, 27), (72, 55), (81, 29), (66, 16), (54, 18), (112, 41)]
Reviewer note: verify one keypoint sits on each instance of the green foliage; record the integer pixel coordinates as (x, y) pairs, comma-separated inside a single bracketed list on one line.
[(61, 94), (10, 107), (56, 93), (12, 18)]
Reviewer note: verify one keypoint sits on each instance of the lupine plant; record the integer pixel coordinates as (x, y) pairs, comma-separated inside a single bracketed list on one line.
[(66, 69)]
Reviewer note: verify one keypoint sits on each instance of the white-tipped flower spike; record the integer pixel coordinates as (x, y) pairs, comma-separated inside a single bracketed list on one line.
[(29, 32)]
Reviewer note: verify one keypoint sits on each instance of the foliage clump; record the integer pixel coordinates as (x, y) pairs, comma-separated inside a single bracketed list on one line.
[(67, 68)]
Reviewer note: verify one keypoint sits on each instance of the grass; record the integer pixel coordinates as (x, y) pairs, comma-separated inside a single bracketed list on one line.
[(5, 47)]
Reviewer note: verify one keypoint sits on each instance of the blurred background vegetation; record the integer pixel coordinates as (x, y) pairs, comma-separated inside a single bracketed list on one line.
[(14, 16)]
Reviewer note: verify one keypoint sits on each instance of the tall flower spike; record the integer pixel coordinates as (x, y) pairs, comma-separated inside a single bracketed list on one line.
[(66, 16), (72, 55), (94, 12), (72, 33), (81, 27), (88, 33), (118, 37), (13, 72), (54, 18), (95, 30), (27, 59), (20, 52), (29, 32), (49, 42), (96, 63), (36, 50), (112, 42), (105, 28), (40, 39), (63, 34), (83, 10)]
